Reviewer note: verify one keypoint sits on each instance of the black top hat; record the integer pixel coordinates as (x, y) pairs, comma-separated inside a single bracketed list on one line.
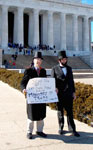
[(62, 54), (38, 55)]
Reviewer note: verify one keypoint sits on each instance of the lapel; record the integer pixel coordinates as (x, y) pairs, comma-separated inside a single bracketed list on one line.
[(60, 71), (35, 71), (67, 71)]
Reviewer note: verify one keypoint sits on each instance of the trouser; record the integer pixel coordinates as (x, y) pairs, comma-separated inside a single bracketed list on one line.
[(30, 125), (70, 121)]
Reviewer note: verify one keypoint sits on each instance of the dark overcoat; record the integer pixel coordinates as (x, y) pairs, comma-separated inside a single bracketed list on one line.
[(65, 84), (35, 112)]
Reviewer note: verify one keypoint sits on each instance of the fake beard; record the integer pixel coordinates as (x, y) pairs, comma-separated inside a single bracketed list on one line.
[(64, 64)]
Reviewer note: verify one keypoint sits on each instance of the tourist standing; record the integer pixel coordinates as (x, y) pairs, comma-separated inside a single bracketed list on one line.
[(35, 112)]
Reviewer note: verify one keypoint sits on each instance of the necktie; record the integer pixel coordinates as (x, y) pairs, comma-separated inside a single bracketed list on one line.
[(38, 71)]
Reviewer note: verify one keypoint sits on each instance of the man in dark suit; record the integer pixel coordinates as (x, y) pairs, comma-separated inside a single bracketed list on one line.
[(35, 112), (66, 92)]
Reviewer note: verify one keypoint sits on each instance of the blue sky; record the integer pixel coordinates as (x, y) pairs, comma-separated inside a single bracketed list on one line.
[(89, 2), (92, 31)]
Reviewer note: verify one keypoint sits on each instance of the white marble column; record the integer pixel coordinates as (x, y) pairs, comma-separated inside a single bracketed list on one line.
[(36, 27), (20, 32), (30, 32), (62, 31), (75, 32), (15, 28), (4, 38), (86, 34), (50, 28)]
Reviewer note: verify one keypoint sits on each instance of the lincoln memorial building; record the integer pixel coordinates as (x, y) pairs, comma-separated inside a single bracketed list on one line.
[(65, 24)]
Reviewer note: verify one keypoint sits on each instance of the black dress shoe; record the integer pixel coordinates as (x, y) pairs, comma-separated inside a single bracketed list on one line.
[(60, 132), (41, 134), (76, 134), (29, 135)]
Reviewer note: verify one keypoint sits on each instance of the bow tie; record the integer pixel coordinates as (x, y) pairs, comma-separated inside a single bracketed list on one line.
[(62, 67)]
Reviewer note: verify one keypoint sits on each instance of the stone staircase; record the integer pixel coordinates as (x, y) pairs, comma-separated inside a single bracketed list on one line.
[(48, 62), (77, 63)]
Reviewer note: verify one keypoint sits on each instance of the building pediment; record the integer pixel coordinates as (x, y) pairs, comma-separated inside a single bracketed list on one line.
[(73, 1)]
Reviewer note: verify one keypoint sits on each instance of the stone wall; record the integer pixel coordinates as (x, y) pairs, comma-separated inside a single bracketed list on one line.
[(88, 59)]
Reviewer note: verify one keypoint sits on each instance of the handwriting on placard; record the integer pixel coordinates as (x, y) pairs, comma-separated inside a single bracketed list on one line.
[(40, 95)]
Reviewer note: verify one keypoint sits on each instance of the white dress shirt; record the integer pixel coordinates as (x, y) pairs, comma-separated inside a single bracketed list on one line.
[(63, 69)]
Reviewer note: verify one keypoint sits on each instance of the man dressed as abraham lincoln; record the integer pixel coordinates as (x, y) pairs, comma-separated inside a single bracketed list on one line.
[(66, 92)]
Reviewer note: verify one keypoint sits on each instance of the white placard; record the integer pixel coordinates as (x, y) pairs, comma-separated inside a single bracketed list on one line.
[(41, 90)]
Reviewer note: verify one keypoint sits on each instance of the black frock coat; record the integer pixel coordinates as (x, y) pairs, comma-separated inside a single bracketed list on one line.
[(65, 85), (35, 112)]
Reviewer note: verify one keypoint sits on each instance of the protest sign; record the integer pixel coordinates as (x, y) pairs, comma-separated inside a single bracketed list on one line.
[(41, 90)]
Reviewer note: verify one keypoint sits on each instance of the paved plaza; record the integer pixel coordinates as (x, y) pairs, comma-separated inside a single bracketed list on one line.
[(13, 127), (84, 80)]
